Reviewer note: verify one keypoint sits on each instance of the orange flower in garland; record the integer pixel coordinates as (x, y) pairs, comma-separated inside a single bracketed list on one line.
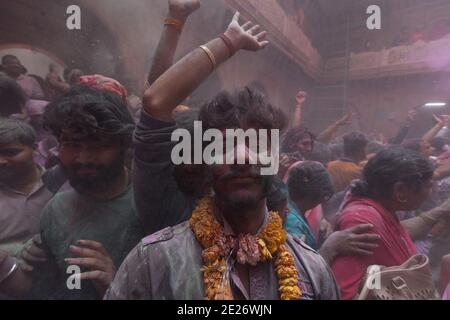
[(252, 249)]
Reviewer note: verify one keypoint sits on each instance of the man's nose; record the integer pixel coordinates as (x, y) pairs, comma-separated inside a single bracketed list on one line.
[(86, 155), (245, 155)]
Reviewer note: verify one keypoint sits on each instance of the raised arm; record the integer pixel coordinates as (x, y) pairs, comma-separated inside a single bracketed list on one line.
[(300, 101), (327, 135), (179, 11), (177, 83), (441, 123), (404, 128)]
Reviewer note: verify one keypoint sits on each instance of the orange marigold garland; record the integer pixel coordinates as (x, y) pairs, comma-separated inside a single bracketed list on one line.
[(268, 244), (287, 273)]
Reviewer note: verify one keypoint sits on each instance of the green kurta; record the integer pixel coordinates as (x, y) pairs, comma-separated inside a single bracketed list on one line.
[(70, 217)]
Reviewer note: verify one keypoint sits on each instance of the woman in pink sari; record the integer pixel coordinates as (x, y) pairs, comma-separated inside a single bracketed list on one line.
[(394, 180)]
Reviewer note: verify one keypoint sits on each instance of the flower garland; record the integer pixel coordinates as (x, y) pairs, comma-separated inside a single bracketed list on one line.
[(217, 246)]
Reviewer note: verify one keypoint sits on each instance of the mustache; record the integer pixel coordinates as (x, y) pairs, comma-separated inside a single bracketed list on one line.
[(89, 166)]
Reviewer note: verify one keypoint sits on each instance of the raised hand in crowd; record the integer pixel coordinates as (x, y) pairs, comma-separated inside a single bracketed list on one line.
[(411, 116), (441, 122), (178, 82), (299, 103), (179, 11), (301, 98), (345, 120), (327, 135), (182, 9), (246, 36)]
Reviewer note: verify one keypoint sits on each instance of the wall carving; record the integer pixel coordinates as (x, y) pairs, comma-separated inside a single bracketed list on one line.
[(421, 57), (285, 33)]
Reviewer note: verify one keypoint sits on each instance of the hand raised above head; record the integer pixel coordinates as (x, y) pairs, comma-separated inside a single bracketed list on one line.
[(301, 97), (442, 120), (345, 120), (246, 36), (411, 116), (181, 9)]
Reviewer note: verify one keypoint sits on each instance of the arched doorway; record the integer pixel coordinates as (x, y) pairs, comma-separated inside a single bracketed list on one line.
[(41, 26)]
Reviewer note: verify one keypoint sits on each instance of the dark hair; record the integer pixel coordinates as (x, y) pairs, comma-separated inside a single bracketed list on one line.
[(291, 138), (390, 166), (309, 180), (331, 207), (12, 97), (227, 111), (413, 144), (88, 112), (16, 131), (277, 198), (321, 153), (336, 150), (354, 143), (258, 86), (186, 119), (8, 56)]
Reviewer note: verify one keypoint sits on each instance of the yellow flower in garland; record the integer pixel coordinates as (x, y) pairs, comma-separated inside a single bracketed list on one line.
[(204, 225), (265, 253), (287, 273), (273, 235), (216, 248)]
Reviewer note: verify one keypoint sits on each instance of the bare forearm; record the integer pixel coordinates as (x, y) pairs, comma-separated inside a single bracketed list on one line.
[(298, 117), (165, 52), (420, 226), (327, 135), (17, 284), (175, 85), (432, 133)]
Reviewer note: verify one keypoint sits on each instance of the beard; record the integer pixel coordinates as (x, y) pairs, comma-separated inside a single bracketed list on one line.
[(242, 201), (103, 178)]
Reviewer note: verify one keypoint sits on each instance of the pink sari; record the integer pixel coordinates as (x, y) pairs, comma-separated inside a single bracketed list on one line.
[(446, 295)]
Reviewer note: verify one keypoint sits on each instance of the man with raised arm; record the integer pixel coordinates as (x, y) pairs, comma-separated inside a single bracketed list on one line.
[(159, 199), (232, 247)]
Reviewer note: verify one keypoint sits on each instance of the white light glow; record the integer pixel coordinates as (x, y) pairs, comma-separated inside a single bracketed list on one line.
[(436, 104)]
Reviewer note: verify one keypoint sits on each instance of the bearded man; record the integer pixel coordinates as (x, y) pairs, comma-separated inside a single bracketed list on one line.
[(232, 247)]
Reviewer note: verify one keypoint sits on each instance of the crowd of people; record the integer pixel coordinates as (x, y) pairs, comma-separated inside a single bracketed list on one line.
[(87, 180)]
